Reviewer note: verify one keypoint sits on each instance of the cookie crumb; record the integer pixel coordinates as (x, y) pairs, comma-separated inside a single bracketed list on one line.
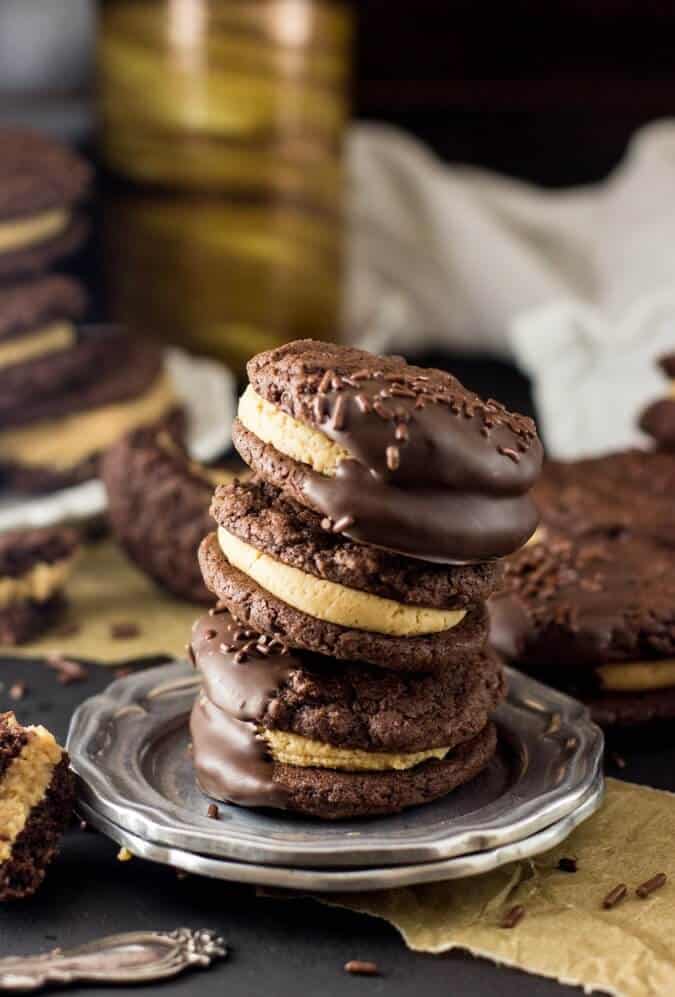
[(213, 811), (17, 691), (512, 917), (67, 670), (359, 967), (124, 855)]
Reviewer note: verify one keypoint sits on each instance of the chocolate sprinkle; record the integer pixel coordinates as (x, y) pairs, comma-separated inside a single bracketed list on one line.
[(655, 883), (615, 896), (512, 917)]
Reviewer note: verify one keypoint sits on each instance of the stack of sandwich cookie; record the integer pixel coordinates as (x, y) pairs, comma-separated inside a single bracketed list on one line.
[(41, 185), (89, 394), (590, 606), (36, 802), (35, 565), (658, 419), (345, 667)]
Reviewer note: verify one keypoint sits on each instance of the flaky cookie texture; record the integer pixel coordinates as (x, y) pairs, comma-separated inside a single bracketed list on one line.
[(158, 504), (38, 173), (254, 606), (28, 305), (334, 795), (356, 706), (259, 514)]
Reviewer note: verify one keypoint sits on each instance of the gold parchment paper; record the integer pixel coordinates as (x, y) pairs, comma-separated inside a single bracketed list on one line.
[(104, 590), (565, 934)]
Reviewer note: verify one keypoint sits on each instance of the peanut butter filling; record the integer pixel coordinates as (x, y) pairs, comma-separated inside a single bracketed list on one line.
[(63, 444), (288, 435), (638, 676), (37, 585), (332, 602), (25, 232), (291, 749), (50, 339), (24, 784)]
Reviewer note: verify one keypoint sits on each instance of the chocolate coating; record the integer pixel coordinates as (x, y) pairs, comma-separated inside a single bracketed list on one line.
[(434, 471)]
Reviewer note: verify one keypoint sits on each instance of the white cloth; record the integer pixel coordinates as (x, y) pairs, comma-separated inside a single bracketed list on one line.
[(578, 286)]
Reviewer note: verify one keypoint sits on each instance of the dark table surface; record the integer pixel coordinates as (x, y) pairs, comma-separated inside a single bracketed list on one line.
[(278, 946)]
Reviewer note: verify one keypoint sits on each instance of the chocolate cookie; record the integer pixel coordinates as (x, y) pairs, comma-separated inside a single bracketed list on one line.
[(603, 494), (42, 796), (261, 515), (30, 305), (335, 795), (400, 457), (36, 259), (341, 704), (64, 434), (158, 502), (594, 601), (41, 181), (255, 607), (34, 567)]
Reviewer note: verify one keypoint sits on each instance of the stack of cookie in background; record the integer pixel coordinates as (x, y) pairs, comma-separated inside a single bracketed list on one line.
[(345, 669), (66, 393)]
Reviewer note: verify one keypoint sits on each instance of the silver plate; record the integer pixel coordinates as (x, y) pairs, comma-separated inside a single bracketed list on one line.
[(347, 880), (129, 747)]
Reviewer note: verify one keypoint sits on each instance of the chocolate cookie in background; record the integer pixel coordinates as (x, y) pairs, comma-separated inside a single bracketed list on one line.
[(57, 437), (41, 185), (35, 565), (590, 606), (275, 727), (355, 566), (158, 508), (37, 793), (658, 419)]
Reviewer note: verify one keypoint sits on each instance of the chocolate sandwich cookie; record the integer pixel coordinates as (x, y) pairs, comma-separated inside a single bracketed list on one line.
[(274, 728), (400, 457), (261, 516), (595, 615), (158, 508), (35, 565), (331, 619), (56, 440), (36, 803), (603, 494), (41, 183), (38, 339), (658, 419)]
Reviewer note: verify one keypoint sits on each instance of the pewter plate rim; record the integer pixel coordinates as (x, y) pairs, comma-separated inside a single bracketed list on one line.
[(112, 780), (351, 880)]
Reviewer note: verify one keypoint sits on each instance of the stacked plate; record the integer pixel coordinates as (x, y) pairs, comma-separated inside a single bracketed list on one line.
[(130, 750)]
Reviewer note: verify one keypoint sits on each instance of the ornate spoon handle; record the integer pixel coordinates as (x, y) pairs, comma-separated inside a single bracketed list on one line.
[(135, 957)]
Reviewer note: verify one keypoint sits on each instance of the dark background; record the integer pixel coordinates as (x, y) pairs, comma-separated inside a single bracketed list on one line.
[(546, 90)]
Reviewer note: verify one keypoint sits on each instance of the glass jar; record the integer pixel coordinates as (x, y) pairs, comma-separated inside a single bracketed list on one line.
[(222, 122)]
